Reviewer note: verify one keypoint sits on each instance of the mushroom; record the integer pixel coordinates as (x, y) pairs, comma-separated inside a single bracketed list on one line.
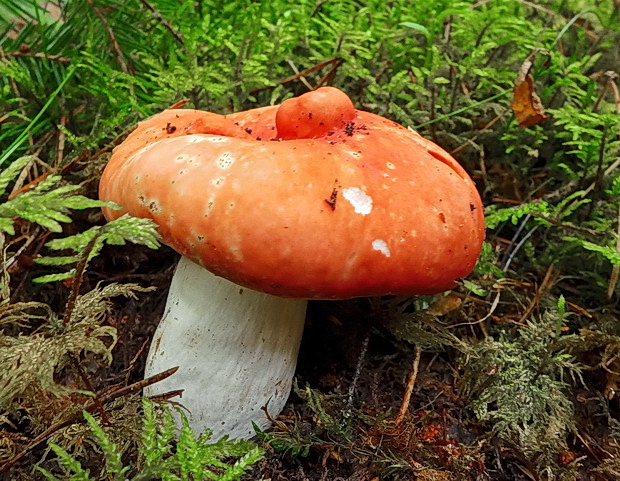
[(311, 199)]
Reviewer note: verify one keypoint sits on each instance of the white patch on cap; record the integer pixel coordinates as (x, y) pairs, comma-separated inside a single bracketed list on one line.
[(390, 165), (360, 200), (381, 246), (225, 160), (218, 181)]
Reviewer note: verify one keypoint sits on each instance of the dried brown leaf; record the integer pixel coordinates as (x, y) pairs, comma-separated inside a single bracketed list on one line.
[(526, 104)]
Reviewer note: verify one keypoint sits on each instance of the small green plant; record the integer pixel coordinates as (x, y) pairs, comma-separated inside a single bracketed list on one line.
[(160, 455), (519, 382)]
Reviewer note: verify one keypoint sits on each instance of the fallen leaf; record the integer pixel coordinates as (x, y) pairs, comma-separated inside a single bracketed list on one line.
[(444, 304), (526, 104)]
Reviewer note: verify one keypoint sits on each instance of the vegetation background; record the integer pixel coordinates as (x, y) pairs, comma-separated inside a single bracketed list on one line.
[(514, 374)]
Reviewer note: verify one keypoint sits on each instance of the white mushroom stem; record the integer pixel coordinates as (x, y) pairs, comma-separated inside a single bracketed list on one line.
[(236, 350)]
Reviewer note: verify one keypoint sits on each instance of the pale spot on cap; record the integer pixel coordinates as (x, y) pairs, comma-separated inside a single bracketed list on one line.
[(225, 160), (381, 246), (360, 200)]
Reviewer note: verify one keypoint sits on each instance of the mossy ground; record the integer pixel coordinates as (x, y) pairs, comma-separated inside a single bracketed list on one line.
[(518, 367)]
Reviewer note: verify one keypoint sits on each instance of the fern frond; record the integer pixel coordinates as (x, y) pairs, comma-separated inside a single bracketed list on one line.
[(117, 232), (114, 464), (47, 204), (9, 174), (69, 464), (609, 253)]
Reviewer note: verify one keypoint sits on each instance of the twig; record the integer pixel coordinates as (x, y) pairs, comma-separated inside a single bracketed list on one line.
[(165, 396), (300, 74), (611, 84), (413, 374), (512, 244), (75, 291), (77, 280), (21, 178), (613, 277), (301, 77), (475, 137), (518, 247), (179, 104), (583, 230), (609, 78), (157, 16), (493, 307), (47, 56), (75, 417), (115, 46), (544, 285), (133, 361), (328, 77)]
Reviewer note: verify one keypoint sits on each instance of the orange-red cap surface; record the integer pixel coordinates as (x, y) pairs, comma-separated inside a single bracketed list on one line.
[(310, 199)]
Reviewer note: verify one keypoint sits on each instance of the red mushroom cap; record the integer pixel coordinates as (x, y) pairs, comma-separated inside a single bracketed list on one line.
[(350, 204)]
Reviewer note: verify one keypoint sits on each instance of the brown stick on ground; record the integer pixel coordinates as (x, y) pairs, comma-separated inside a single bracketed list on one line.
[(413, 374)]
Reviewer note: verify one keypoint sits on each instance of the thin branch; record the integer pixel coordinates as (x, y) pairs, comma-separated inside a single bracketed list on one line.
[(77, 279), (301, 77), (160, 19), (298, 75), (413, 374), (115, 46), (613, 277), (545, 285), (46, 56)]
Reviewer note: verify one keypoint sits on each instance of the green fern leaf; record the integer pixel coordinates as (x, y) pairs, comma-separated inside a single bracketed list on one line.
[(10, 173), (609, 253), (114, 463), (117, 232), (47, 205), (70, 464)]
